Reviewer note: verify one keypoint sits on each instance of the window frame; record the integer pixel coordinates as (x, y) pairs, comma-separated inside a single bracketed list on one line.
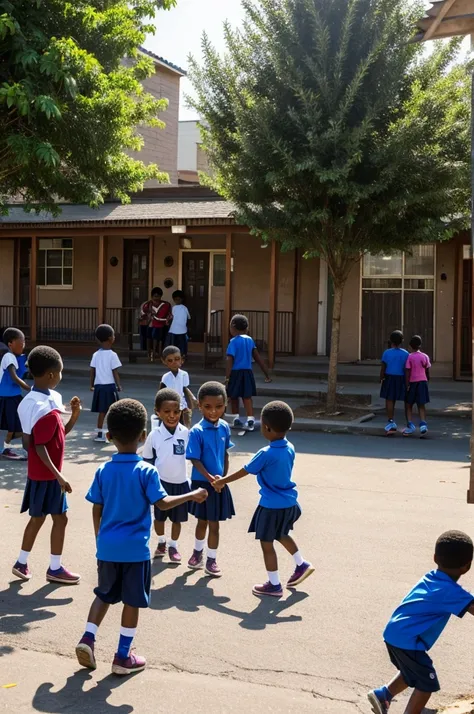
[(62, 267)]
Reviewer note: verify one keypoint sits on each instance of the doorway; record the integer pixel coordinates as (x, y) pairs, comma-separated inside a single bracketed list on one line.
[(466, 319), (135, 272), (195, 284)]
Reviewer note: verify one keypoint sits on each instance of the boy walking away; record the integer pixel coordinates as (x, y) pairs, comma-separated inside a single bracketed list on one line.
[(122, 492), (420, 619), (12, 370), (417, 372), (392, 377), (46, 487), (105, 380), (178, 334), (178, 380)]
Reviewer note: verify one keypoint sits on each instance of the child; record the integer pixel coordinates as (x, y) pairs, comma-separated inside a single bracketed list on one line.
[(122, 492), (46, 487), (278, 508), (105, 380), (178, 380), (160, 312), (392, 377), (208, 445), (165, 447), (178, 334), (12, 369), (420, 619), (417, 373), (240, 380)]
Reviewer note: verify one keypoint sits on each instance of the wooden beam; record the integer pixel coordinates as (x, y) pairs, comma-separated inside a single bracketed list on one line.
[(435, 23), (228, 291), (102, 280), (296, 282), (131, 231), (458, 280), (33, 278), (16, 271), (272, 318), (151, 263)]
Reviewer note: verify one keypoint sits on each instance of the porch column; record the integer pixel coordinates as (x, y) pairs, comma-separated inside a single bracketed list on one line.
[(228, 291), (33, 278), (102, 281), (151, 263), (272, 318)]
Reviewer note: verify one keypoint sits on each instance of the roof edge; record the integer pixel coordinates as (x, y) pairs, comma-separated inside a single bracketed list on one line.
[(163, 62)]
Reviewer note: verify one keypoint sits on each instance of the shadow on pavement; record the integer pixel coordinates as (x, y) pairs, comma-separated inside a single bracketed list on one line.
[(18, 612), (73, 699)]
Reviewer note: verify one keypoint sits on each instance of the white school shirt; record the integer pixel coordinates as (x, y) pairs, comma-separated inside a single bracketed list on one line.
[(177, 383), (169, 452), (36, 405), (104, 361), (181, 315)]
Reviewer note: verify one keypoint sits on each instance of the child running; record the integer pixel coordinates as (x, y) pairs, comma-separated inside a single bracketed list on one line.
[(178, 334), (12, 370), (105, 379), (121, 493), (417, 372), (165, 448), (46, 487), (209, 442), (178, 380), (240, 380), (278, 509), (392, 377), (419, 621)]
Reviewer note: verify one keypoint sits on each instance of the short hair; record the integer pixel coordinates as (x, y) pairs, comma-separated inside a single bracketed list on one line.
[(43, 358), (171, 350), (278, 416), (104, 333), (166, 395), (396, 338), (157, 291), (11, 334), (212, 389), (416, 342), (178, 294), (240, 322), (454, 549), (126, 420)]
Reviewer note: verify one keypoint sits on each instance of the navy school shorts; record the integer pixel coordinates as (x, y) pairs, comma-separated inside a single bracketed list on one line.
[(416, 668), (129, 583)]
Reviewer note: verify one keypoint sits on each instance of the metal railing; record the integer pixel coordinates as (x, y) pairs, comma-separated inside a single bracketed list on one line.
[(66, 324), (258, 329), (15, 316)]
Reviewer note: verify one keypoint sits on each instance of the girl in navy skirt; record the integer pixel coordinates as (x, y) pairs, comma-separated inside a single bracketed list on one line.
[(165, 448), (208, 445), (417, 370), (240, 380), (12, 370), (105, 380), (392, 377), (278, 509)]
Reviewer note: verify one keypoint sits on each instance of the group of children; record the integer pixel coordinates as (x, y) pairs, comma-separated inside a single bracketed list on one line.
[(162, 325)]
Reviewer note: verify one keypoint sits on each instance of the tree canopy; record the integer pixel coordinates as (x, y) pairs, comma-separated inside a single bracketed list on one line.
[(69, 105)]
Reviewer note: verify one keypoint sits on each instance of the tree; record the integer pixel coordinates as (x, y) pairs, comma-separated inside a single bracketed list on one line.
[(331, 132), (69, 104)]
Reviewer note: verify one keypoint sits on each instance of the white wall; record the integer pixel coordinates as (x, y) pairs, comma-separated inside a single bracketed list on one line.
[(189, 137)]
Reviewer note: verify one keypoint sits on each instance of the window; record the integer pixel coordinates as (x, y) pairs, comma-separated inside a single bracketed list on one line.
[(55, 261), (218, 270)]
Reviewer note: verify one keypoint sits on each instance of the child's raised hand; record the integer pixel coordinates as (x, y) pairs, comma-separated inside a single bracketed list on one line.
[(200, 495), (75, 405)]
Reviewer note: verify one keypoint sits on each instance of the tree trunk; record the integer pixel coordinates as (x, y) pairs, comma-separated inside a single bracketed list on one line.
[(331, 405)]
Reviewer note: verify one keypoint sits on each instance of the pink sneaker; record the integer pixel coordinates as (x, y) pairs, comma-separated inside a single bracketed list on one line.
[(62, 575), (12, 455), (160, 551), (173, 555), (21, 571), (268, 589), (195, 561), (302, 572), (132, 664), (212, 568), (85, 653)]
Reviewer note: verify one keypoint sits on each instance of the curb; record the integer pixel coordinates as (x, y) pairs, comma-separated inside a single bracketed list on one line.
[(364, 429)]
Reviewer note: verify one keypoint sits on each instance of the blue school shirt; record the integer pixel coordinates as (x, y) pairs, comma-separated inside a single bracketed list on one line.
[(208, 443), (241, 348), (395, 358), (9, 388), (126, 487), (273, 467), (424, 613)]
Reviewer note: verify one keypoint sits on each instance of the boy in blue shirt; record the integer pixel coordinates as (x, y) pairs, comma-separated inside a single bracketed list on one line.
[(278, 508), (122, 492), (420, 619), (392, 377)]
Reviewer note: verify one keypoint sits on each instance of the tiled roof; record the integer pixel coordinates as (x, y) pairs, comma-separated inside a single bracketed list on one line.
[(170, 65)]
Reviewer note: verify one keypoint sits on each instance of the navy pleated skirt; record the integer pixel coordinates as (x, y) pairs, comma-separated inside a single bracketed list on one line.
[(43, 498), (104, 396), (241, 384), (217, 507), (418, 393), (9, 419), (179, 341), (393, 388), (270, 524), (180, 513)]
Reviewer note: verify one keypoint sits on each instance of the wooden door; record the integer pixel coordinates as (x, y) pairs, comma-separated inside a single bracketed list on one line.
[(381, 314), (196, 290), (466, 319), (135, 272)]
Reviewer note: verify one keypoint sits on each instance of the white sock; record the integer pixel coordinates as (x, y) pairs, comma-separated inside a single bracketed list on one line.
[(173, 544), (199, 544), (54, 562), (23, 557), (161, 539), (299, 560), (128, 631), (90, 627), (212, 553), (250, 419), (273, 577), (6, 446)]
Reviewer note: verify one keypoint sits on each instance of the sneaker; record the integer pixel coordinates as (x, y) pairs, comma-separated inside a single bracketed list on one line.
[(85, 653), (250, 424), (410, 429), (238, 423), (302, 572), (423, 428), (379, 706), (62, 575), (12, 454), (390, 427), (268, 589), (212, 568), (133, 663), (160, 551), (22, 571), (173, 555), (195, 561), (100, 439)]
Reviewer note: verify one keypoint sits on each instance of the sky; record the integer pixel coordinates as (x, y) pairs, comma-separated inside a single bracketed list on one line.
[(178, 34)]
